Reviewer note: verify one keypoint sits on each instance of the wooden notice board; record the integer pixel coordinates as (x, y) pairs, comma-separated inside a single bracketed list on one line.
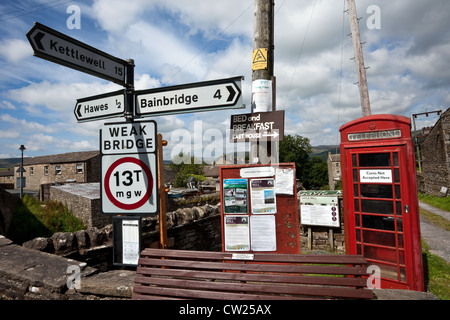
[(259, 208)]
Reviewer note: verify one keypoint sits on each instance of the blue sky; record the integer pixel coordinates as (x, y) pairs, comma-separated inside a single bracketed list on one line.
[(177, 42)]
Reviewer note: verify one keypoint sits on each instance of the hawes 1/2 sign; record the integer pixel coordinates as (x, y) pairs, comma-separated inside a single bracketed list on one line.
[(129, 168)]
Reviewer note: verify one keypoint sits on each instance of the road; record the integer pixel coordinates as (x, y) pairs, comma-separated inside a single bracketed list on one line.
[(437, 238)]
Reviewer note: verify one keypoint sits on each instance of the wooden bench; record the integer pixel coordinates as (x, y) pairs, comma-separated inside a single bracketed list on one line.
[(182, 274)]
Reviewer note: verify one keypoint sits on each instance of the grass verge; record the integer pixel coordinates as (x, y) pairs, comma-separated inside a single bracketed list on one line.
[(442, 203), (33, 218), (437, 274)]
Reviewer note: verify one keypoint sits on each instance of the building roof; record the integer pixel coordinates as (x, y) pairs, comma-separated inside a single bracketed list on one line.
[(85, 190), (334, 157), (62, 158), (7, 173)]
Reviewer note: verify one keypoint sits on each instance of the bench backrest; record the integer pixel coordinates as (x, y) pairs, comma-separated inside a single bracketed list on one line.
[(165, 274)]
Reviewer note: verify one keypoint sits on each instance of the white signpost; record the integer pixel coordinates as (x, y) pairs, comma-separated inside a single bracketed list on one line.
[(100, 106), (129, 181), (201, 96), (57, 47)]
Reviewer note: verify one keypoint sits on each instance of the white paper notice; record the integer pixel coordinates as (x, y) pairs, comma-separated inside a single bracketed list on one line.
[(263, 233), (262, 95), (257, 172), (237, 233), (263, 197), (130, 240), (284, 181), (375, 175)]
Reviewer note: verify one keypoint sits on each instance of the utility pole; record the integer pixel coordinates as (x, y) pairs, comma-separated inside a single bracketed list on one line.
[(263, 75), (361, 70)]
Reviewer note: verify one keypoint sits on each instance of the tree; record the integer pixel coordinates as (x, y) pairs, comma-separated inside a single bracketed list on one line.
[(183, 171), (317, 176), (296, 149), (312, 173)]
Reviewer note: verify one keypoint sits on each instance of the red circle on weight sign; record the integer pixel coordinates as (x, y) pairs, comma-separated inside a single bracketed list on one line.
[(148, 192)]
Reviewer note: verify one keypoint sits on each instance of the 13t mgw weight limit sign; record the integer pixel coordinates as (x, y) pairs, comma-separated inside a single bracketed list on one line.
[(129, 176)]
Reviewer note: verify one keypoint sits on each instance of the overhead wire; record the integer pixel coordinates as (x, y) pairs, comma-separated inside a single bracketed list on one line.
[(209, 42), (47, 6), (300, 52), (340, 76)]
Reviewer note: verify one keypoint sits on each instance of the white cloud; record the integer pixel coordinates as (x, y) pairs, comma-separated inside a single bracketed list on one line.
[(15, 50), (60, 97), (24, 125), (180, 42), (7, 105), (116, 15)]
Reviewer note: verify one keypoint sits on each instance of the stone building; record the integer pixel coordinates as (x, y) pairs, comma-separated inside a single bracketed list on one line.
[(334, 169), (83, 200), (7, 176), (60, 168), (436, 158)]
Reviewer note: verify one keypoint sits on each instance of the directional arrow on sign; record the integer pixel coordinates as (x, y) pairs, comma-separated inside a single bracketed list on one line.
[(101, 106), (54, 46), (201, 96)]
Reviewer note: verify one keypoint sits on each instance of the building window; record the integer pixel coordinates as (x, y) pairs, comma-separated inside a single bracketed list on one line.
[(31, 171), (46, 170), (79, 168), (57, 169)]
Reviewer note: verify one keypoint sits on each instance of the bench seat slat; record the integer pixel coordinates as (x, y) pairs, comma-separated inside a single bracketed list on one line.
[(259, 257), (184, 274), (255, 288), (286, 268), (164, 292), (255, 277)]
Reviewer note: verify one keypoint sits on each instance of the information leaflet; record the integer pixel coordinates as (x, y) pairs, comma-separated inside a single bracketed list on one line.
[(263, 198)]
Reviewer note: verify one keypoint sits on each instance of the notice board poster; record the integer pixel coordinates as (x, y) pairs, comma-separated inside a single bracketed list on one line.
[(235, 196), (319, 210), (263, 233), (127, 242), (237, 233), (262, 193), (256, 216)]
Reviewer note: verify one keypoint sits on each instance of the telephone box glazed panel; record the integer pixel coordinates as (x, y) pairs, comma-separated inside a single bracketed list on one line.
[(381, 211)]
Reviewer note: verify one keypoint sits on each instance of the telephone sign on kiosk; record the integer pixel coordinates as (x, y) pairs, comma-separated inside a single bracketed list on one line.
[(129, 170)]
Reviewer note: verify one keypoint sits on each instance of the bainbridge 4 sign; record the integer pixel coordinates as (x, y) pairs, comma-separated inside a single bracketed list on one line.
[(194, 97), (129, 172)]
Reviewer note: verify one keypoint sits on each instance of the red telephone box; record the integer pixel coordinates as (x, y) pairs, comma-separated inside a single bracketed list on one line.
[(381, 211)]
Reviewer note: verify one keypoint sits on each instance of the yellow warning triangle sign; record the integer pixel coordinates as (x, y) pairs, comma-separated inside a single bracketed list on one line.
[(259, 59)]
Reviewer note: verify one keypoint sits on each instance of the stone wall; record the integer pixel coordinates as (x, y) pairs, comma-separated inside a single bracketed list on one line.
[(39, 268), (436, 157), (83, 200), (8, 203), (196, 228)]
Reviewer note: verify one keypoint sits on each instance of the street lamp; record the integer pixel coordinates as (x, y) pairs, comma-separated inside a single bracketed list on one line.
[(22, 148)]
